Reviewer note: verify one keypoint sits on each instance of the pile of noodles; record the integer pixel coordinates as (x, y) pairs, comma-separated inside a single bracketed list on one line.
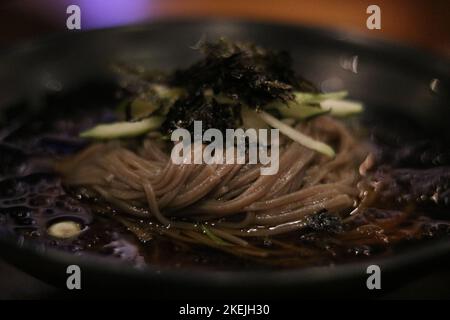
[(223, 206)]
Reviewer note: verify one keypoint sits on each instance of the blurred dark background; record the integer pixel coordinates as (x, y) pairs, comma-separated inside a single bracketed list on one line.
[(419, 23)]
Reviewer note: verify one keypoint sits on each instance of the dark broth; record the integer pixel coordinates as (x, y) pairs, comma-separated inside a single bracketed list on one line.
[(32, 196)]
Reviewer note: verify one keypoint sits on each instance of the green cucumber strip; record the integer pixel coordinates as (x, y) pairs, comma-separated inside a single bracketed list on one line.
[(123, 129)]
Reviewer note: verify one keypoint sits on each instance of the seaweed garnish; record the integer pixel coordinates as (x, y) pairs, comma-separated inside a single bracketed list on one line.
[(244, 72), (230, 75), (324, 222), (198, 107)]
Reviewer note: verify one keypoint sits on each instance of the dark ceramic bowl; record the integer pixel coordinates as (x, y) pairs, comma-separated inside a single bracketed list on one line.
[(391, 80)]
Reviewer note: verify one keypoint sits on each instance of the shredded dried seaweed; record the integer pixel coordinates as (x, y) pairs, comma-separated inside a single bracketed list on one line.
[(240, 73), (244, 72), (197, 107), (325, 222)]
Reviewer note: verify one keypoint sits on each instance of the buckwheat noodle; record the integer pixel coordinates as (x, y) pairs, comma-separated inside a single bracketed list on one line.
[(234, 201)]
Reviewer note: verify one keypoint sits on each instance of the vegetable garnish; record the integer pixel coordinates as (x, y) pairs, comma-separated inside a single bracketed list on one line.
[(342, 108), (297, 111), (140, 108), (225, 90), (123, 129), (213, 237), (312, 98), (244, 71), (157, 100), (297, 136), (308, 105)]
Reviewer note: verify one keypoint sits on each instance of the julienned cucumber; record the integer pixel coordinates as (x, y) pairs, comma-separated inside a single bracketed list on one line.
[(342, 108), (297, 136), (312, 98), (300, 112), (123, 129)]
